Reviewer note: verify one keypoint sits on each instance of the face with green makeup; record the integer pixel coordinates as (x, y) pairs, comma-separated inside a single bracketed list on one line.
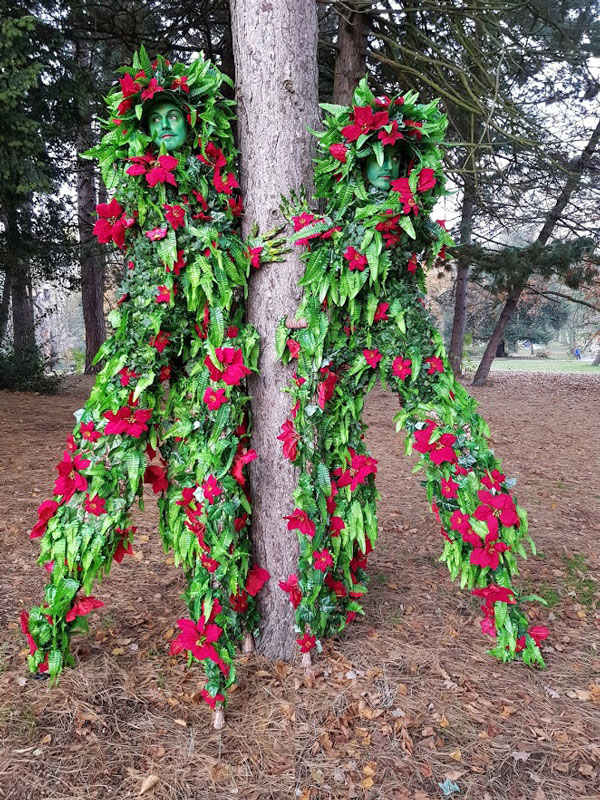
[(381, 175), (167, 124)]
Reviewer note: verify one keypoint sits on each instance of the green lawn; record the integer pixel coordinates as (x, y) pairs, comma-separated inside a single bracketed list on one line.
[(542, 365)]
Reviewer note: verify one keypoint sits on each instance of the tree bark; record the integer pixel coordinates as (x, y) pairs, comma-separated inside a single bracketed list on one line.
[(455, 350), (24, 344), (92, 265), (5, 304), (351, 59), (572, 182), (275, 51)]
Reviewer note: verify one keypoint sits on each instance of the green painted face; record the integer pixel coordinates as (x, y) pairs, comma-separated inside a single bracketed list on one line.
[(380, 176), (167, 124)]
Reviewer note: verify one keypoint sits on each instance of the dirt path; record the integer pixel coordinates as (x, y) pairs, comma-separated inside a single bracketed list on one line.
[(405, 700)]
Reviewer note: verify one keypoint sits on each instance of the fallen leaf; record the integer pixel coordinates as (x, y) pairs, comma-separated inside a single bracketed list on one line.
[(367, 783), (444, 722), (520, 755), (150, 782), (181, 722), (46, 739), (456, 755)]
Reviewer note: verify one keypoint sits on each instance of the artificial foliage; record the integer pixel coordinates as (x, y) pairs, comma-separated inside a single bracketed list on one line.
[(363, 318), (170, 406)]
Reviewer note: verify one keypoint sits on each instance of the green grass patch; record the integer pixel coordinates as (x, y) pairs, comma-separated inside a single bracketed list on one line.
[(585, 588)]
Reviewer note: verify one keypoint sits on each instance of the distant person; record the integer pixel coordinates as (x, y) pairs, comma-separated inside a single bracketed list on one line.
[(578, 353)]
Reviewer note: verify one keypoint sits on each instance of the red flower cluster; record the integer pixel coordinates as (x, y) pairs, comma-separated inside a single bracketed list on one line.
[(156, 170), (290, 437), (111, 223), (70, 480), (364, 121), (230, 369), (355, 259), (361, 466), (300, 521), (127, 420), (441, 449)]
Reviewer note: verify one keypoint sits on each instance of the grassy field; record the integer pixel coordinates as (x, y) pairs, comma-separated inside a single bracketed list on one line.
[(567, 365)]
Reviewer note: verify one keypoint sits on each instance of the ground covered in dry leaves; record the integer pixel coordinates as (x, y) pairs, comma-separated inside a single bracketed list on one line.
[(407, 705)]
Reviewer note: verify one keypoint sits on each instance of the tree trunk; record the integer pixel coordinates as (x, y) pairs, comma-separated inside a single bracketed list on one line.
[(22, 314), (596, 361), (275, 51), (92, 267), (455, 351), (351, 59), (5, 304), (552, 218)]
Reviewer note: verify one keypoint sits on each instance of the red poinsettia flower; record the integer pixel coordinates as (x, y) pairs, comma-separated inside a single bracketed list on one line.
[(381, 312), (202, 329), (156, 234), (361, 466), (164, 295), (179, 263), (322, 560), (336, 526), (426, 180), (338, 151), (336, 586), (290, 437), (364, 121), (165, 374), (459, 521), (326, 388), (239, 602), (239, 462), (156, 476), (538, 633), (225, 186), (449, 488), (401, 367), (209, 564), (214, 398), (25, 629), (230, 366), (257, 577), (211, 489), (156, 170), (109, 225), (413, 128), (126, 376), (152, 89), (302, 220), (440, 450), (82, 607), (494, 508), (128, 86), (372, 357), (213, 156), (392, 136), (45, 513), (300, 521), (291, 586), (293, 347), (175, 216), (407, 199), (307, 643), (124, 545), (71, 443), (355, 259), (254, 253), (413, 264), (95, 505), (389, 223), (495, 594), (70, 480), (212, 701), (198, 638), (180, 82), (485, 554), (493, 480), (127, 420), (232, 331), (160, 340), (435, 365)]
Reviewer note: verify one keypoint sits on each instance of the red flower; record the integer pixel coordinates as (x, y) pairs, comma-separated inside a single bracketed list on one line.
[(239, 462), (306, 643), (257, 577), (239, 602), (198, 638), (82, 608), (156, 170), (401, 186), (181, 83), (435, 365), (300, 521), (336, 586), (214, 398), (211, 489), (71, 443), (127, 420), (401, 367), (212, 701), (449, 487), (25, 629), (109, 225), (364, 122), (225, 186), (381, 312), (391, 137), (326, 389), (361, 466), (254, 253), (160, 340), (414, 128), (291, 586), (322, 560), (372, 357), (128, 86), (45, 513), (355, 259), (95, 505), (289, 436), (440, 450), (209, 564), (230, 369), (412, 264), (213, 156), (232, 331), (152, 89), (302, 220), (426, 180), (165, 374), (390, 224), (175, 215), (178, 265), (69, 479), (156, 234), (336, 525), (538, 633), (157, 477), (496, 507), (338, 151), (164, 295), (126, 375), (485, 554), (293, 347), (493, 480)]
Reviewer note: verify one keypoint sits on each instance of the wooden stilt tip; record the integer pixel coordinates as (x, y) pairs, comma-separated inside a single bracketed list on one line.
[(248, 644), (306, 660), (219, 718)]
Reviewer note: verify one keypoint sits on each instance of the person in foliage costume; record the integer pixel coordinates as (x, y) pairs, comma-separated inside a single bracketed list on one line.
[(363, 317), (173, 378)]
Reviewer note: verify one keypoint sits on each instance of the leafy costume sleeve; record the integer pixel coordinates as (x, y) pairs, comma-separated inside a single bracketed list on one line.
[(365, 316), (173, 381)]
